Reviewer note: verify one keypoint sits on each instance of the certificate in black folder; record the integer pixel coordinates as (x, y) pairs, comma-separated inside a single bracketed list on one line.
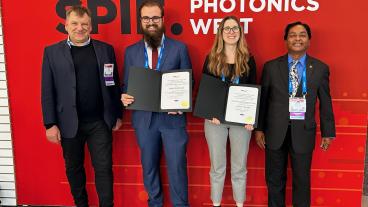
[(236, 104), (159, 91)]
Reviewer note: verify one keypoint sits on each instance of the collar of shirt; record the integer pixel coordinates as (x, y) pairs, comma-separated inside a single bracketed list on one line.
[(301, 60), (300, 66), (70, 43)]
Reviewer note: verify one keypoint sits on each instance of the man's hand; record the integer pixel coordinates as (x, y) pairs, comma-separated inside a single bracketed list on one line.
[(325, 143), (249, 127), (260, 139), (53, 134), (175, 113), (117, 125), (126, 99)]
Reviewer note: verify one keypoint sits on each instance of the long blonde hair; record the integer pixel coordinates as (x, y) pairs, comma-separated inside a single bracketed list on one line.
[(217, 58)]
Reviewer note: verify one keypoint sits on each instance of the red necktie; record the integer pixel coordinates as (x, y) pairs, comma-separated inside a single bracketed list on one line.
[(154, 57)]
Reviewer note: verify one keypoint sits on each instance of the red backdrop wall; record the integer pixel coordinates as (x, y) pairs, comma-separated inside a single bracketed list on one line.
[(338, 39)]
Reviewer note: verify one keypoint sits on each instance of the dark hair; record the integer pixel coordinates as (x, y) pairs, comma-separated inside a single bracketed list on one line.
[(291, 25), (79, 10), (151, 3)]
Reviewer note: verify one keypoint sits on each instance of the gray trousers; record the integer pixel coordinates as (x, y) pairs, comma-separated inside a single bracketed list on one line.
[(216, 136)]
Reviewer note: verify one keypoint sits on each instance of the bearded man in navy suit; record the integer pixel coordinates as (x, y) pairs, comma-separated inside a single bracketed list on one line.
[(157, 131)]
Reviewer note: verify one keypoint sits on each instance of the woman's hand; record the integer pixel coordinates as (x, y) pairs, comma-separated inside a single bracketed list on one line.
[(249, 127), (215, 121)]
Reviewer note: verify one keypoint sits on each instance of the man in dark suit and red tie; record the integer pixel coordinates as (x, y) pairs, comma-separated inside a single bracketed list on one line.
[(291, 85), (159, 131), (81, 104)]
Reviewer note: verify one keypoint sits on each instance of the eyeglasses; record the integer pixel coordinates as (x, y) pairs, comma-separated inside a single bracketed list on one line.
[(295, 35), (227, 30), (155, 19)]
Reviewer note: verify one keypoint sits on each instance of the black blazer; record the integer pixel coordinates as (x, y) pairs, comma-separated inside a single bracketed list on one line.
[(274, 110), (58, 87)]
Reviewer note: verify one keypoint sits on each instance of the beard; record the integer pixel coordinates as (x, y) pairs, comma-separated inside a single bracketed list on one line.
[(153, 39)]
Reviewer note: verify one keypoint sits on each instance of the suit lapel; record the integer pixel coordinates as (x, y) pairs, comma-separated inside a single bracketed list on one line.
[(284, 71), (141, 59), (167, 51), (67, 53), (309, 71), (309, 67), (68, 56), (97, 50)]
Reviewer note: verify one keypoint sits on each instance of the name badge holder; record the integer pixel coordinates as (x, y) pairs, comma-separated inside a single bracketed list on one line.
[(298, 105), (109, 74)]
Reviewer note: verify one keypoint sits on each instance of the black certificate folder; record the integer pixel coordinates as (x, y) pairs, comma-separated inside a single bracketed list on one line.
[(235, 104), (160, 91)]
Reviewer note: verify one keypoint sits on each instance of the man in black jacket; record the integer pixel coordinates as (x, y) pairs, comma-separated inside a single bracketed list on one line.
[(291, 85), (81, 104)]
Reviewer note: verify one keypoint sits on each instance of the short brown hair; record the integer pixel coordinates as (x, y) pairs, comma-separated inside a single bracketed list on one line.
[(151, 3), (79, 10)]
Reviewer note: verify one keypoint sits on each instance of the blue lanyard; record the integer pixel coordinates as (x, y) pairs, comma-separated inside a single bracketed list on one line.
[(236, 80), (304, 83), (146, 64)]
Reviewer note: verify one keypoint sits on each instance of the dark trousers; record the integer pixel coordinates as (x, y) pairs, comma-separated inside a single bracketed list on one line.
[(276, 169), (99, 141), (174, 142)]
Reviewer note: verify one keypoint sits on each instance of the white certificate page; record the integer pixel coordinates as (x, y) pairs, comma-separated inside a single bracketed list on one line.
[(175, 90), (242, 104)]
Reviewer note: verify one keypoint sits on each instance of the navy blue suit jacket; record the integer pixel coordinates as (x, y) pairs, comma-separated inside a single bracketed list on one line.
[(175, 56), (58, 88)]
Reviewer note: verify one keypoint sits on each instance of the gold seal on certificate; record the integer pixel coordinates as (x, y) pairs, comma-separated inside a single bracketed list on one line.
[(185, 104), (249, 120)]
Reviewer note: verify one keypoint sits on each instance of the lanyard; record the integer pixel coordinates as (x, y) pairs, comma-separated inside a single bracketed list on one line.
[(236, 80), (304, 83), (146, 64)]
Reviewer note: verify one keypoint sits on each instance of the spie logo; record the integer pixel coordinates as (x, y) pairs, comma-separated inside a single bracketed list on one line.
[(110, 14)]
